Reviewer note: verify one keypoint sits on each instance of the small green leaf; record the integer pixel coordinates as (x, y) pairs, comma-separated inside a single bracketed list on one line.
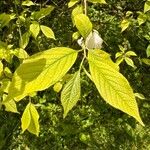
[(72, 3), (21, 53), (139, 95), (130, 53), (40, 71), (11, 106), (147, 6), (146, 61), (37, 15), (142, 18), (34, 29), (75, 36), (5, 83), (27, 3), (57, 87), (118, 54), (148, 51), (112, 85), (29, 120), (23, 42), (83, 24), (26, 118), (124, 25), (129, 62), (1, 68), (71, 93), (76, 11), (47, 32), (98, 1), (34, 123)]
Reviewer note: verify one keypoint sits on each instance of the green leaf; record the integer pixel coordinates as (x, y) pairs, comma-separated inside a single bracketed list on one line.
[(83, 24), (1, 68), (34, 123), (23, 42), (21, 53), (130, 53), (142, 18), (76, 11), (146, 6), (37, 15), (11, 106), (26, 118), (146, 61), (71, 93), (27, 3), (139, 95), (75, 36), (129, 62), (34, 29), (40, 71), (98, 1), (72, 3), (124, 25), (112, 85), (148, 51), (5, 19), (57, 87), (29, 120), (47, 32)]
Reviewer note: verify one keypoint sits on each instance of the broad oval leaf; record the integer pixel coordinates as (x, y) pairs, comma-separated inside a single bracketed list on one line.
[(26, 118), (29, 120), (113, 86), (11, 106), (34, 123), (40, 71), (83, 24), (24, 40), (71, 93), (47, 32), (35, 29), (124, 24)]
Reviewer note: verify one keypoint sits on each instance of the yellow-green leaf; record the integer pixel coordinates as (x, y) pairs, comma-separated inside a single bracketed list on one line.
[(21, 53), (11, 106), (147, 6), (113, 86), (57, 87), (34, 29), (124, 25), (34, 123), (1, 68), (83, 24), (24, 40), (27, 3), (98, 1), (72, 3), (40, 71), (47, 32), (71, 93), (142, 18), (26, 118), (29, 120), (130, 62)]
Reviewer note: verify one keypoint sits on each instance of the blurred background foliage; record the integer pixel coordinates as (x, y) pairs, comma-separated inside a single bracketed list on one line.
[(92, 124)]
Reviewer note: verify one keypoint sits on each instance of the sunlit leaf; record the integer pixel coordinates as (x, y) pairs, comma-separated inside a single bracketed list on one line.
[(72, 3), (71, 93), (34, 29), (40, 71), (148, 51), (1, 68), (142, 18), (27, 3), (47, 32), (83, 24), (11, 106), (24, 40), (112, 85), (147, 6), (21, 53), (124, 25), (98, 1), (57, 87), (130, 62)]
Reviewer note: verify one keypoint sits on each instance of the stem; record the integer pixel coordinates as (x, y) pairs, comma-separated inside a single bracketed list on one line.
[(85, 7)]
